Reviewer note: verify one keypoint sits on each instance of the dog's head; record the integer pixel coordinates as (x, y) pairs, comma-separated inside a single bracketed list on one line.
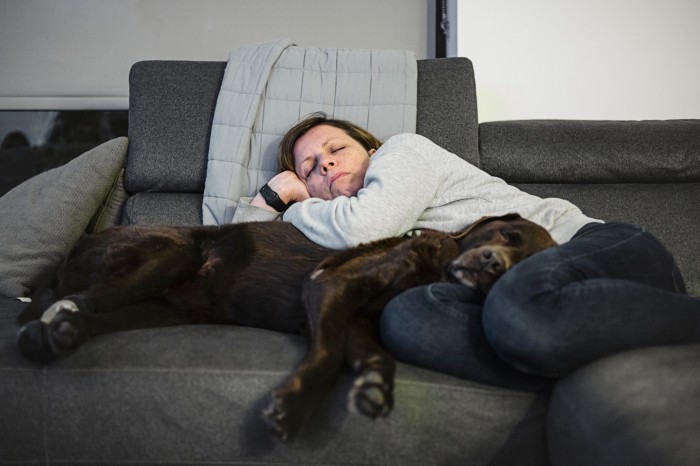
[(492, 245)]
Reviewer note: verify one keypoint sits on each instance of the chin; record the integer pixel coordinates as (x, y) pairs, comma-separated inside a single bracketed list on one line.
[(349, 191), (346, 194)]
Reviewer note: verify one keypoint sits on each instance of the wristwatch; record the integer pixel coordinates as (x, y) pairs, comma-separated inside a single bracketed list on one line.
[(272, 199)]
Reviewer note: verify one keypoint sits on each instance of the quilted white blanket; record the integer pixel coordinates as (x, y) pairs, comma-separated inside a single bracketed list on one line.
[(269, 87)]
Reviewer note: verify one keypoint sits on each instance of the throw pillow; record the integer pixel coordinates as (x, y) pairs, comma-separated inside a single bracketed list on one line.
[(43, 218), (110, 212)]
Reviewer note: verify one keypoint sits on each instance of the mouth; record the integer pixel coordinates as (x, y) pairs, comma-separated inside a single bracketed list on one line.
[(472, 277), (465, 276), (335, 177)]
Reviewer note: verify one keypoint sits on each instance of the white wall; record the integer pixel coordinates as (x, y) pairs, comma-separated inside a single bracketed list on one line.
[(583, 59), (76, 54)]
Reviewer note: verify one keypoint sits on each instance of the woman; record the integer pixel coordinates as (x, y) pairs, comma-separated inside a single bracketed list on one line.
[(605, 288)]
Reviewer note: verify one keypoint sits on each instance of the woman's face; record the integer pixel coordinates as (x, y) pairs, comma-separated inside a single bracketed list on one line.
[(330, 163)]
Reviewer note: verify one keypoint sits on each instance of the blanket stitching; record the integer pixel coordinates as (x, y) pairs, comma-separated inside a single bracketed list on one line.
[(259, 93), (371, 85), (279, 99), (335, 84), (301, 90), (280, 135)]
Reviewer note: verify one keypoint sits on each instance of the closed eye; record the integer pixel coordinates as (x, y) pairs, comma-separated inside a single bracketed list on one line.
[(511, 236), (308, 172)]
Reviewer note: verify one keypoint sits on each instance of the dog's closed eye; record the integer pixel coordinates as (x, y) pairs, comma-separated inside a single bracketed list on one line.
[(511, 236)]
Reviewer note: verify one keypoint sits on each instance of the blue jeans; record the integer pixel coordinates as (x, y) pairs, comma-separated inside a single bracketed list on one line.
[(613, 287)]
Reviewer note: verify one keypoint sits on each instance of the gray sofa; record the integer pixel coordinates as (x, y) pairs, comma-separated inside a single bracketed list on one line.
[(193, 394)]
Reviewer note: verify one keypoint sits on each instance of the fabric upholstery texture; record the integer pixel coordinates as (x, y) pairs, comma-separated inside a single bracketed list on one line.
[(163, 209), (166, 155), (447, 112), (596, 420), (110, 212), (592, 151), (43, 217)]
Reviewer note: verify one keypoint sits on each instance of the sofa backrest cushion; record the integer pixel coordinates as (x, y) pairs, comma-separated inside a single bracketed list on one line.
[(642, 172), (566, 151), (171, 107)]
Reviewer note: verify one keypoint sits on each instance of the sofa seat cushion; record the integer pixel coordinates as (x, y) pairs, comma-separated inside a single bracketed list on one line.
[(193, 394), (184, 209)]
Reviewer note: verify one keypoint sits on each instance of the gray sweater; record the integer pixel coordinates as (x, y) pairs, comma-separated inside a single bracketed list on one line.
[(412, 183)]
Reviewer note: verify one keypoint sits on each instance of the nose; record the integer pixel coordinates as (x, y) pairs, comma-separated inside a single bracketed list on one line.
[(326, 164), (492, 262)]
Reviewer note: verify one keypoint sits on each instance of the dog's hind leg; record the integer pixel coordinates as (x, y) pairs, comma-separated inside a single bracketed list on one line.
[(68, 327), (155, 312), (296, 399), (140, 275), (372, 392)]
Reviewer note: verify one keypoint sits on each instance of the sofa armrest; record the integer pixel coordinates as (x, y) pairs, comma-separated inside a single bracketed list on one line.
[(636, 408)]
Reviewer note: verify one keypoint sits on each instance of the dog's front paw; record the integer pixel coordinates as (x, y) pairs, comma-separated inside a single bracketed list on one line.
[(287, 410), (277, 417), (371, 395), (280, 416), (59, 330), (33, 342)]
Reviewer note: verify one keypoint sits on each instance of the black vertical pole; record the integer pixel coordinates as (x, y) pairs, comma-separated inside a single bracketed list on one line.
[(440, 28)]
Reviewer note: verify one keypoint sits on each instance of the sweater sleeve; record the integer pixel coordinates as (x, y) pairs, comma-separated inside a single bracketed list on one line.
[(400, 185), (250, 213)]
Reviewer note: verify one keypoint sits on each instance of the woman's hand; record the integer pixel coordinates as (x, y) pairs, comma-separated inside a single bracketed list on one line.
[(287, 186)]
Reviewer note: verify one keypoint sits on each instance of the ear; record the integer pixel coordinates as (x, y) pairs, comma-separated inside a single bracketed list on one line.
[(372, 151), (473, 226), (483, 221)]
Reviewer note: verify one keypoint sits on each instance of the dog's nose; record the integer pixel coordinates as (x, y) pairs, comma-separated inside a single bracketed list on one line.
[(492, 262)]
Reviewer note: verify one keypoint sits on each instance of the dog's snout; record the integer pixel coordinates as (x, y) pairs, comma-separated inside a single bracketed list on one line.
[(492, 262), (453, 268)]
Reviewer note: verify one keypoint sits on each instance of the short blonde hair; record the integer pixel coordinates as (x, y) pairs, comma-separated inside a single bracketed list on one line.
[(285, 160)]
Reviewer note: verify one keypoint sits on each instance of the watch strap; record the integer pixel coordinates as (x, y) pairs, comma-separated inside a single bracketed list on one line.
[(272, 198)]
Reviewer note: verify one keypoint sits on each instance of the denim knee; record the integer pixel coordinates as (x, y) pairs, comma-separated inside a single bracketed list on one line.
[(430, 325), (516, 331), (405, 317), (439, 327)]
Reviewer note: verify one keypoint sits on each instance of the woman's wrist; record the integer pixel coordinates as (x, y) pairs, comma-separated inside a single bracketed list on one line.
[(259, 201), (286, 186), (283, 189)]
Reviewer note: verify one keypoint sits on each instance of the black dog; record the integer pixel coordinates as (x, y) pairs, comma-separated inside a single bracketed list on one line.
[(266, 275)]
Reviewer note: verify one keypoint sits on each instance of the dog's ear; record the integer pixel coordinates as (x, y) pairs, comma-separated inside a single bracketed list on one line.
[(483, 221)]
